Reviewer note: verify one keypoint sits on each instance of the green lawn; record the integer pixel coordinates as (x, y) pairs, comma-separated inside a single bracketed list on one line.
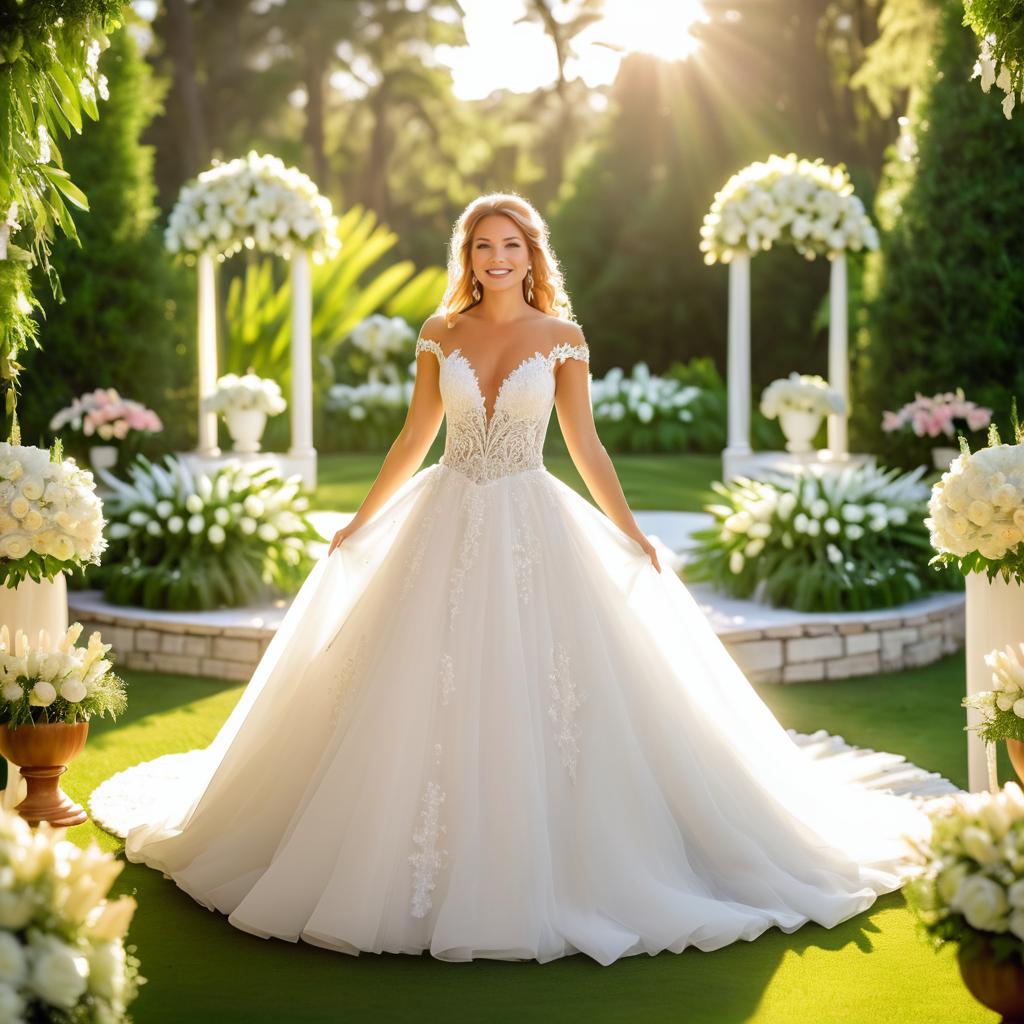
[(680, 482), (874, 968)]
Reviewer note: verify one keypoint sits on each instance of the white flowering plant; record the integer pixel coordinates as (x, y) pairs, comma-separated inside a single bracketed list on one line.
[(51, 520), (367, 416), (976, 511), (43, 681), (846, 541), (245, 392), (1002, 707), (804, 203), (63, 957), (253, 202), (180, 540), (379, 342), (970, 887), (643, 412), (801, 392), (1001, 55)]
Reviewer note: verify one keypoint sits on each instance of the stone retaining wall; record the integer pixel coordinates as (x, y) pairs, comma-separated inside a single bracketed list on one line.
[(886, 641), (837, 650)]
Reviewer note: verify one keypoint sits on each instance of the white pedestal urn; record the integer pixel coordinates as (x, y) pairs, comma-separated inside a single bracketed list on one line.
[(799, 427), (246, 428), (31, 607), (995, 617)]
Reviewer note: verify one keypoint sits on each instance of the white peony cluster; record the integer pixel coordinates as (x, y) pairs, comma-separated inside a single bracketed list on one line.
[(255, 202), (805, 203), (249, 391), (62, 952), (641, 396), (992, 72), (46, 507), (42, 672), (801, 393), (973, 862), (978, 504)]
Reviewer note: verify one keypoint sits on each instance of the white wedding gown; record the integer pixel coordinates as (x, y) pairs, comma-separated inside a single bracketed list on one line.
[(488, 727)]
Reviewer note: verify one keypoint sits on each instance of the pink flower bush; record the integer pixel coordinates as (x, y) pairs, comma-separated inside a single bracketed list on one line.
[(942, 414), (105, 414)]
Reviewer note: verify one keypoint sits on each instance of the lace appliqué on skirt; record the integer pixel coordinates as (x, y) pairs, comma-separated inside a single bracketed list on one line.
[(566, 700), (525, 549), (473, 516), (447, 677), (428, 859), (344, 683)]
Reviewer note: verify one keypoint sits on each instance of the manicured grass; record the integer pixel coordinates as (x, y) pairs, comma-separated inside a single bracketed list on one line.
[(874, 968), (680, 482)]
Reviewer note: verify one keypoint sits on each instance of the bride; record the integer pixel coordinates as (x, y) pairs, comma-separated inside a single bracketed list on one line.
[(492, 724)]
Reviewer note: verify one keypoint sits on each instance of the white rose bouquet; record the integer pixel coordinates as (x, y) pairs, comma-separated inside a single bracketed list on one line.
[(186, 541), (62, 950), (254, 202), (976, 511), (806, 203), (801, 393), (241, 393), (50, 681), (971, 887), (845, 541), (51, 520)]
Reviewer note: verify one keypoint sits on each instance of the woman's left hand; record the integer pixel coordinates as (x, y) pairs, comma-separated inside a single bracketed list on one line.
[(650, 551)]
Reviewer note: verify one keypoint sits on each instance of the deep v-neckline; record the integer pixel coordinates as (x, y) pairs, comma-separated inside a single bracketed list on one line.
[(488, 420)]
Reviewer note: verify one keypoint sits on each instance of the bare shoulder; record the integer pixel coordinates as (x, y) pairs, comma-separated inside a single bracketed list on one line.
[(432, 327)]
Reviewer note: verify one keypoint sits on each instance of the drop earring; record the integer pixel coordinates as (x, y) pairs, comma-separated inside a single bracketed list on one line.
[(476, 289), (529, 284)]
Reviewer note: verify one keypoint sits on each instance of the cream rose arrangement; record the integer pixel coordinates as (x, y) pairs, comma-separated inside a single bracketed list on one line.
[(245, 392), (805, 203), (254, 202), (51, 520), (976, 511), (970, 889), (62, 949), (44, 680), (801, 393)]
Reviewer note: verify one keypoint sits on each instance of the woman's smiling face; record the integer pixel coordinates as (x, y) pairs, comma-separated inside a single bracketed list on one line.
[(500, 253)]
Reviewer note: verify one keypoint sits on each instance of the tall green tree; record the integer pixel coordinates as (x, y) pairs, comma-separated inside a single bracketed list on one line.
[(946, 297), (127, 318)]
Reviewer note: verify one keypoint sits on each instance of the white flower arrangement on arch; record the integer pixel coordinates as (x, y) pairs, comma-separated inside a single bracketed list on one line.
[(51, 520), (253, 202), (805, 203)]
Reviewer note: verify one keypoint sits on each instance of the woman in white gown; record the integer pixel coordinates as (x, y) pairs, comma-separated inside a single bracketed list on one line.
[(491, 724)]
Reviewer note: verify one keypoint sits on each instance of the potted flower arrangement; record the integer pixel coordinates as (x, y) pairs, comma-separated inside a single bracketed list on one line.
[(51, 522), (942, 415), (976, 525), (970, 891), (48, 693), (800, 401), (245, 403), (1002, 707), (104, 414), (62, 938)]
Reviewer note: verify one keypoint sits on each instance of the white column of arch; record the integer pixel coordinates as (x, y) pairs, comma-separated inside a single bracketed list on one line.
[(738, 370), (207, 346), (302, 358), (838, 355)]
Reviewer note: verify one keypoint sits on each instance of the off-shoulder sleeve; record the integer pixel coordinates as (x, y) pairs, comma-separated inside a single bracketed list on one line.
[(429, 345), (565, 351)]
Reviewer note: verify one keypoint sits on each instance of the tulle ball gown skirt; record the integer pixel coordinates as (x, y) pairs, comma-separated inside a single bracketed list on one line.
[(488, 727)]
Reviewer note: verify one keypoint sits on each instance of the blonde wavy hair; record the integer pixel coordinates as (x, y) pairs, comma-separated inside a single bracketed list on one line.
[(549, 295)]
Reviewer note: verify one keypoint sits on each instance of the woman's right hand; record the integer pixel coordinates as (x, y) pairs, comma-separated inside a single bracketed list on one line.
[(340, 536)]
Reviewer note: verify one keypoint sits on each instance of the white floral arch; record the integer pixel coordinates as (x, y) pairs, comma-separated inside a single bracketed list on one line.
[(811, 206), (255, 202)]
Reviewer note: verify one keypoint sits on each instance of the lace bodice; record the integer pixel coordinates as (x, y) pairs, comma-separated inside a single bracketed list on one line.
[(512, 439)]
